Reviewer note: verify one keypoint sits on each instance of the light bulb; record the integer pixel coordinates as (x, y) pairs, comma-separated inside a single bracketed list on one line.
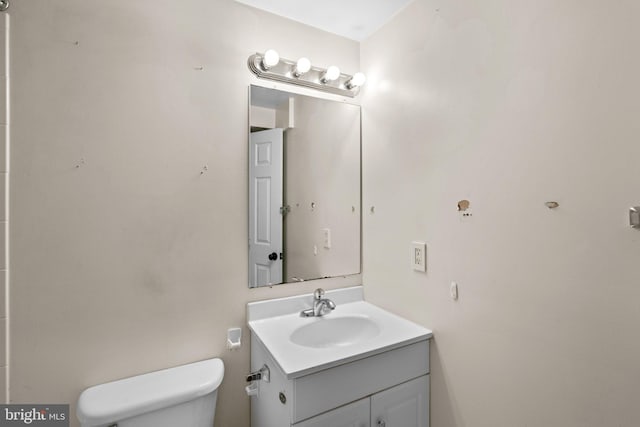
[(302, 66), (357, 80), (270, 59), (331, 74)]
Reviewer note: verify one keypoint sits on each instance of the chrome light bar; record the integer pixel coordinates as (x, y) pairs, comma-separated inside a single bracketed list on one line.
[(285, 71)]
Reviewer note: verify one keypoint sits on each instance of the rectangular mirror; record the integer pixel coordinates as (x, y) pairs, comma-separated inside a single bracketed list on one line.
[(304, 188)]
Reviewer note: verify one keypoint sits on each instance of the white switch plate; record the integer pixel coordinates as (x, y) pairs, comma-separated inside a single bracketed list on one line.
[(326, 234), (419, 256)]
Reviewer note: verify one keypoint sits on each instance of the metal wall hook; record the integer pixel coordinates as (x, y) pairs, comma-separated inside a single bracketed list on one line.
[(4, 5)]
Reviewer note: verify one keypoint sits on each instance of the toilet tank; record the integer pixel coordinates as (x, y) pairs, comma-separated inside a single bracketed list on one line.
[(183, 396)]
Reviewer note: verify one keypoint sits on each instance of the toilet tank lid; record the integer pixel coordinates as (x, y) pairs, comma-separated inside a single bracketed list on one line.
[(137, 395)]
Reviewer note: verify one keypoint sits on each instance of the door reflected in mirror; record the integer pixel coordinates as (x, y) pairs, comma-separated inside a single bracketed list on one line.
[(304, 188)]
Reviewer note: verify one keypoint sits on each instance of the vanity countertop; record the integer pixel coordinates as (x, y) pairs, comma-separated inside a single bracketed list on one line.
[(354, 330)]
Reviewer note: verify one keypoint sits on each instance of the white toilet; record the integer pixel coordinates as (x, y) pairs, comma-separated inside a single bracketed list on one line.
[(183, 396)]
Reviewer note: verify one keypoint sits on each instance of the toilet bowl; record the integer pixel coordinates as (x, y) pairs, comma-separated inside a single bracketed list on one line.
[(183, 396)]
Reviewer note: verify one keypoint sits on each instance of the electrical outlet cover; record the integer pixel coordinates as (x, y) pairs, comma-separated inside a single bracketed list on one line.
[(419, 256)]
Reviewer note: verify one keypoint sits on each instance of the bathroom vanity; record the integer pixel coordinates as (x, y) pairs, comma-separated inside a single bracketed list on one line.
[(357, 366)]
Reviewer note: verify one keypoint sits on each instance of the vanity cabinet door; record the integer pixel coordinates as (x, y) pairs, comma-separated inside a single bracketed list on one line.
[(405, 405), (356, 414)]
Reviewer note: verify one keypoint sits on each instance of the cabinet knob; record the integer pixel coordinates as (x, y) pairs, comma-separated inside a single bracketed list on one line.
[(381, 423)]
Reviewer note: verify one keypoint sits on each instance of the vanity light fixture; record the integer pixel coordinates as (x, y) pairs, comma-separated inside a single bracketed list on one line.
[(302, 66), (270, 66)]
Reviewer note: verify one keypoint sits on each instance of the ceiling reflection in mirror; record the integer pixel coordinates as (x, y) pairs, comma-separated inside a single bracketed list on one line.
[(304, 188)]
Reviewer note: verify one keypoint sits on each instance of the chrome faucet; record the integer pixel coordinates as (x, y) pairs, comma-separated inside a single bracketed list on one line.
[(321, 305)]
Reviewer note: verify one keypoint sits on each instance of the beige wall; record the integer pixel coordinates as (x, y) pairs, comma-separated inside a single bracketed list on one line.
[(4, 182), (510, 104), (124, 257)]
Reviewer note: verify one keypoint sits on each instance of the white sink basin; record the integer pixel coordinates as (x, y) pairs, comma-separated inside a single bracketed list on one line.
[(354, 330), (335, 331)]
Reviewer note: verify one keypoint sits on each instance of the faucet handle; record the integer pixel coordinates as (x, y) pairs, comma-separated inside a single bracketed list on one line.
[(318, 294)]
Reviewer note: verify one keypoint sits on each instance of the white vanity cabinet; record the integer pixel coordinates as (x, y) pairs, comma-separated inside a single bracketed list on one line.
[(389, 389), (358, 366)]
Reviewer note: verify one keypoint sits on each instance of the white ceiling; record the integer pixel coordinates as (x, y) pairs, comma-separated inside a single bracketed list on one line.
[(354, 19)]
